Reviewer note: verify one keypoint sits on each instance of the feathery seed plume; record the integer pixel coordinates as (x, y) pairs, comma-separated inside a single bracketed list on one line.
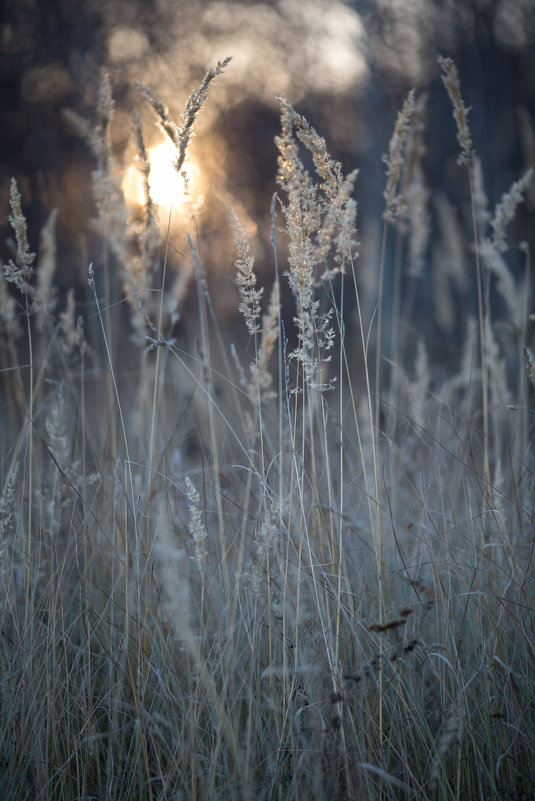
[(20, 271), (180, 135), (45, 300), (450, 78), (197, 527), (529, 359), (246, 279), (260, 377), (394, 160), (506, 208)]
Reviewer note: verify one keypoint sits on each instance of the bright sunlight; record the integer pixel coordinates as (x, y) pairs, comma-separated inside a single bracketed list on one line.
[(167, 187)]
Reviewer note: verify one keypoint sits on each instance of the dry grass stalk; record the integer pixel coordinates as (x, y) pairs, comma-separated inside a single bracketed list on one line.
[(494, 261), (8, 313), (106, 189), (419, 388), (500, 395), (481, 203), (197, 526), (320, 221), (260, 380), (329, 170), (8, 519), (45, 300), (396, 203), (419, 223), (529, 360), (447, 737), (506, 209), (149, 237), (20, 271), (72, 328), (415, 214), (450, 78), (180, 134), (415, 147), (143, 165), (493, 247), (250, 297)]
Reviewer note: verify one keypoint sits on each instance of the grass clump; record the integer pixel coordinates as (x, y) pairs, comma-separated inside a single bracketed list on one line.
[(292, 580)]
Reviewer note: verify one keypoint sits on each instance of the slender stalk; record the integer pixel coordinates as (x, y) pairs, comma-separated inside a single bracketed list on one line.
[(482, 350), (30, 469)]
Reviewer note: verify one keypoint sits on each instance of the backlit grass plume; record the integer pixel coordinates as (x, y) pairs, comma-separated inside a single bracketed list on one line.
[(180, 133), (19, 269), (321, 226), (450, 78)]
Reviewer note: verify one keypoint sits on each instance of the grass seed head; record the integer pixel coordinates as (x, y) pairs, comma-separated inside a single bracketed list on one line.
[(450, 78), (20, 271)]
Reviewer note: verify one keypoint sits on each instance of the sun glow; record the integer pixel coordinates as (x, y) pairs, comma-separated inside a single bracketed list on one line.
[(167, 187)]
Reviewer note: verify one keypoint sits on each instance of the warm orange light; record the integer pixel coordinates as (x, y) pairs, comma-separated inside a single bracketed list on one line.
[(168, 188)]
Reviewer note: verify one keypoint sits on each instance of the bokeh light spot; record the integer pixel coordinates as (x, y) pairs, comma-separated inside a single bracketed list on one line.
[(168, 188)]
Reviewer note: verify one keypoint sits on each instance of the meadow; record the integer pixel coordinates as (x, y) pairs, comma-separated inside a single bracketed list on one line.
[(298, 567)]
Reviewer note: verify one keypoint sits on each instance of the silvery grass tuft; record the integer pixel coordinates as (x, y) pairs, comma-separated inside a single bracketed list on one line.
[(530, 364), (19, 270), (321, 225), (246, 280), (396, 203), (450, 78), (289, 580)]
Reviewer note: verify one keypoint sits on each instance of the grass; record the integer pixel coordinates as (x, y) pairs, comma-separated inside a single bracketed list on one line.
[(300, 569)]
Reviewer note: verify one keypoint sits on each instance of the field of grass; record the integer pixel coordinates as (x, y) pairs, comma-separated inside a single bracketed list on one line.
[(301, 568)]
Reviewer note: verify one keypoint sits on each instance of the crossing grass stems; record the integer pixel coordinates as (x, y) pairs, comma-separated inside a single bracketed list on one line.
[(270, 571)]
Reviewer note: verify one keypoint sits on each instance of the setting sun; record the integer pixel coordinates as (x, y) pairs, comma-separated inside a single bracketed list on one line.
[(167, 187)]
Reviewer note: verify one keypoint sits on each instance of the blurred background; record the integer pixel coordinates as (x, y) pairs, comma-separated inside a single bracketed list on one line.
[(347, 66)]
